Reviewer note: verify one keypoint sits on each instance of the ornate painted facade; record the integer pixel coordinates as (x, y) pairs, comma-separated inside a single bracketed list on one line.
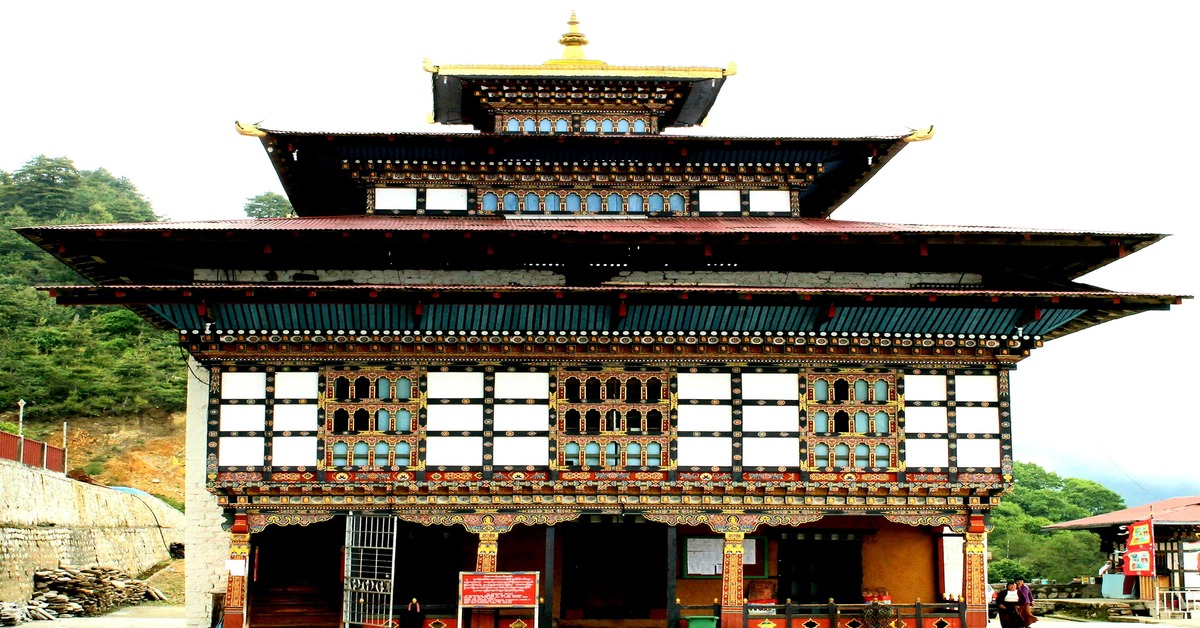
[(650, 367)]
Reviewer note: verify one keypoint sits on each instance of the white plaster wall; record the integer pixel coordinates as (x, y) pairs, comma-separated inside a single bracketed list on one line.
[(825, 279), (386, 277), (207, 542)]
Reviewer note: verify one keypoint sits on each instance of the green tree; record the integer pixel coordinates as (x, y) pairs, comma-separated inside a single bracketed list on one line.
[(269, 205), (44, 187), (1092, 497)]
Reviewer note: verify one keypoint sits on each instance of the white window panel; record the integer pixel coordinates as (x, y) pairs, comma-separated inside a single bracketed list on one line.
[(521, 451), (978, 452), (522, 385), (243, 418), (522, 418), (455, 418), (926, 452), (294, 451), (296, 386), (978, 420), (705, 418), (770, 201), (454, 451), (925, 419), (240, 451), (455, 385), (395, 198), (976, 388), (925, 387), (770, 452), (243, 385), (770, 419), (720, 201), (437, 198), (704, 385), (296, 417), (705, 452), (770, 386)]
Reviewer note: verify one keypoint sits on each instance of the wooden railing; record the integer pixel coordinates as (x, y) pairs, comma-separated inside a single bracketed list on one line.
[(34, 453), (1178, 604), (788, 615)]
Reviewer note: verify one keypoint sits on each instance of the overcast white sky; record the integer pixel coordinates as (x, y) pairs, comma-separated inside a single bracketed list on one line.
[(1049, 115)]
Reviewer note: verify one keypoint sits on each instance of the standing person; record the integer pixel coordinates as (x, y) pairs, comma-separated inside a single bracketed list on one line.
[(1008, 604), (1025, 606)]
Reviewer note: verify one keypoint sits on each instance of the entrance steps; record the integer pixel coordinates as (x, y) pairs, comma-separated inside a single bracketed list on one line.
[(295, 606)]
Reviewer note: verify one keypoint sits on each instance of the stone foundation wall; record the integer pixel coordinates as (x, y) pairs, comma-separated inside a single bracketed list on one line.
[(47, 519)]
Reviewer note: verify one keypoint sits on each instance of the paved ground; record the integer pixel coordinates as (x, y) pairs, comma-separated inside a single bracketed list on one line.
[(130, 617)]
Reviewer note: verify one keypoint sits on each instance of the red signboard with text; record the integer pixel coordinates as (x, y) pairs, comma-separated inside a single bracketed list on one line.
[(1139, 549), (509, 589)]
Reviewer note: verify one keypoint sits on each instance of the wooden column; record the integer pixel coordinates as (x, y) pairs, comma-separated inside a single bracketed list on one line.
[(975, 572), (236, 583), (731, 580), (485, 555)]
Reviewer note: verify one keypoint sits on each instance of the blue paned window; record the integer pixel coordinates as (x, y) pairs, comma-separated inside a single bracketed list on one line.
[(594, 202), (606, 126), (403, 420), (532, 203), (511, 202), (656, 203), (623, 126), (589, 126), (403, 388), (591, 455), (383, 388), (552, 202), (614, 203), (633, 455), (881, 390), (639, 126), (383, 420), (339, 454), (821, 422), (677, 202), (862, 456), (635, 203), (883, 456), (529, 125), (544, 126), (861, 422), (571, 454), (574, 203), (881, 423), (381, 454), (561, 126), (513, 126), (841, 455), (654, 455), (490, 202), (361, 450), (403, 454), (821, 455)]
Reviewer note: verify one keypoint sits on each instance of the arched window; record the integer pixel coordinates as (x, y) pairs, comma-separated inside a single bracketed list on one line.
[(821, 455), (654, 422), (552, 202), (862, 422), (653, 390), (362, 420), (633, 390), (841, 421), (572, 422), (862, 456), (612, 457), (513, 125), (403, 388), (340, 451), (341, 388), (533, 203), (614, 204), (490, 202), (881, 390), (544, 126), (656, 203), (860, 389), (678, 203), (529, 125), (623, 126), (591, 454), (511, 202), (562, 126), (635, 203), (883, 456), (381, 454), (841, 390), (820, 390), (362, 388), (341, 421), (633, 455), (571, 454), (841, 456), (403, 421), (383, 420), (612, 388), (589, 126), (633, 422), (403, 454), (594, 203), (654, 455), (383, 388), (639, 126), (574, 203), (821, 422), (571, 390), (606, 126), (591, 389), (361, 450), (591, 422), (612, 420), (881, 423)]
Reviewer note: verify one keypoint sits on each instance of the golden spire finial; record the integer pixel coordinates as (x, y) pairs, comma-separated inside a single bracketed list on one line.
[(573, 41)]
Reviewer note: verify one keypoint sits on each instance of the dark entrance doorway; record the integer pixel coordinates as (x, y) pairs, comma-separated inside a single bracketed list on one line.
[(817, 566), (428, 560), (613, 568), (295, 575)]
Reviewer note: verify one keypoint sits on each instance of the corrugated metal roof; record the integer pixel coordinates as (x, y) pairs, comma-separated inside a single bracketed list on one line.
[(578, 224), (660, 137), (1174, 511)]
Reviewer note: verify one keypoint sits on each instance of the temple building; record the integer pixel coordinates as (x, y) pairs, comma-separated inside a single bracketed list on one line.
[(650, 368)]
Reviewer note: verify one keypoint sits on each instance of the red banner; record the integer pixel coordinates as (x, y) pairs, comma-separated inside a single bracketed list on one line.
[(513, 589), (1139, 549)]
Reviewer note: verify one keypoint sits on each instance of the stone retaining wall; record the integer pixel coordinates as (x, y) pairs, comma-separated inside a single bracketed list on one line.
[(47, 519)]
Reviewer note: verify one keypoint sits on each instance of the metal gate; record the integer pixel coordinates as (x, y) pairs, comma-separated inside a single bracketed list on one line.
[(370, 560)]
